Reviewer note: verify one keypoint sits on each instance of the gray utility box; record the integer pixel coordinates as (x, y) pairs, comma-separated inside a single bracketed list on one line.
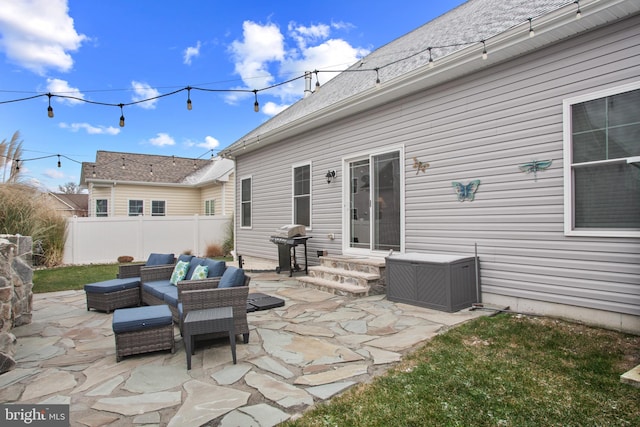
[(439, 281)]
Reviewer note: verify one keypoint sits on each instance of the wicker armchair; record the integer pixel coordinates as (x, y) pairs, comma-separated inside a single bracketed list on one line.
[(201, 294), (126, 271)]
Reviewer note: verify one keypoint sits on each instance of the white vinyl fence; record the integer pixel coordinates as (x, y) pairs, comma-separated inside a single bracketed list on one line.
[(103, 240)]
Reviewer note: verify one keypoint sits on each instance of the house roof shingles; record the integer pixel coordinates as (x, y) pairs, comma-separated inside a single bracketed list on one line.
[(138, 167), (456, 30)]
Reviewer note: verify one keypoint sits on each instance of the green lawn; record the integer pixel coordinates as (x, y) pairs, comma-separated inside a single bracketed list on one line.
[(499, 371), (73, 277)]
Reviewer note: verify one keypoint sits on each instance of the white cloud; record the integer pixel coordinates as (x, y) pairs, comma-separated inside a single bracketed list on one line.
[(191, 52), (261, 45), (144, 91), (271, 108), (210, 143), (90, 129), (162, 139), (61, 87), (264, 54), (53, 174), (39, 34)]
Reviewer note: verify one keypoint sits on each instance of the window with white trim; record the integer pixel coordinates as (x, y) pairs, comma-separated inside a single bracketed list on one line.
[(302, 195), (602, 173), (245, 202), (136, 207), (102, 207), (158, 208), (210, 207)]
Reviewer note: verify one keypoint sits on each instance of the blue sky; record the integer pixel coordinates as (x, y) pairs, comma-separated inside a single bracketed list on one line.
[(120, 51)]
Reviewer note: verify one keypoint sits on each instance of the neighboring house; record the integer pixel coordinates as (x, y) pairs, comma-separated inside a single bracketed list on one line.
[(127, 184), (562, 240), (70, 205)]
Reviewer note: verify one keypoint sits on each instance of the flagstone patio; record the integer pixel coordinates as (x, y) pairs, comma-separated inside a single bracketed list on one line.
[(313, 348)]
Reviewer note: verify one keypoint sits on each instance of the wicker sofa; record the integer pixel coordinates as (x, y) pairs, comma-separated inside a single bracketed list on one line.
[(227, 286)]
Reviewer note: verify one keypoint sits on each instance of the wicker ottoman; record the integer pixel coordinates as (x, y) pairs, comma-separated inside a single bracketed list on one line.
[(112, 294), (143, 330)]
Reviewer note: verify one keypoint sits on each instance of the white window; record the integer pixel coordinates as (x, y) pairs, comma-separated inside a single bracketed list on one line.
[(102, 207), (302, 195), (210, 207), (245, 202), (602, 163), (136, 207), (158, 208)]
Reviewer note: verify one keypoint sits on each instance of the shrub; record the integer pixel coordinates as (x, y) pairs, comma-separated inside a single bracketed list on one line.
[(214, 251), (24, 210), (228, 244)]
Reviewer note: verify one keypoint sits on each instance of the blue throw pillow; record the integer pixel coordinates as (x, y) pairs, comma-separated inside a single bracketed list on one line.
[(216, 268), (232, 277), (160, 259)]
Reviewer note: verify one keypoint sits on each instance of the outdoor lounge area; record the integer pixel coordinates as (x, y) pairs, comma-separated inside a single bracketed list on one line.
[(313, 347)]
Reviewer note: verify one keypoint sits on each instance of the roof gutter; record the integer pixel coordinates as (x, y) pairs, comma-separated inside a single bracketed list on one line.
[(550, 28)]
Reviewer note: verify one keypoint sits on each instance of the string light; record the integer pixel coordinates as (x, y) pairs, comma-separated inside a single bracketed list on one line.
[(256, 106), (121, 115), (123, 167), (94, 171), (50, 109), (174, 159), (151, 170), (59, 163), (317, 81), (377, 77), (17, 165)]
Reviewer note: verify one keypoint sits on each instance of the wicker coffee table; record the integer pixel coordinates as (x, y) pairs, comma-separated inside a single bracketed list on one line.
[(206, 321)]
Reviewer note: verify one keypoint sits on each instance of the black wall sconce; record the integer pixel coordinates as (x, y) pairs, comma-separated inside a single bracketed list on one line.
[(330, 176)]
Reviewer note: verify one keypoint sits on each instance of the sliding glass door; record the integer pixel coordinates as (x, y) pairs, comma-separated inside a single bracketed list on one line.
[(375, 210)]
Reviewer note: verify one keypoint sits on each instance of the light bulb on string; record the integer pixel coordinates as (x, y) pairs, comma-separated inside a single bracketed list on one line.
[(430, 58), (123, 166), (256, 106), (531, 32), (151, 170), (121, 115), (17, 165), (317, 81), (484, 50), (174, 160), (94, 171), (59, 163), (50, 108), (578, 12), (189, 106), (377, 78)]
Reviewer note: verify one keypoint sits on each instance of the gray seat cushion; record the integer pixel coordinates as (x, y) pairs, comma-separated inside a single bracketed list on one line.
[(139, 318), (112, 285)]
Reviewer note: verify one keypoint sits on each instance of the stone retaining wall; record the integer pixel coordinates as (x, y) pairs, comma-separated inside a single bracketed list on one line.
[(16, 293)]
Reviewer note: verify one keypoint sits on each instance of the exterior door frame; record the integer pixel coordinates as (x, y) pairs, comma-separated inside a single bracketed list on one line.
[(346, 198)]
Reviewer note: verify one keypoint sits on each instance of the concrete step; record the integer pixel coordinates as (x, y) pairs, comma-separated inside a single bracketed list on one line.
[(351, 263), (333, 287), (345, 276)]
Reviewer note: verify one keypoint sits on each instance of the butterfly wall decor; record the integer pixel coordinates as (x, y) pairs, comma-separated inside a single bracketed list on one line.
[(421, 167), (535, 166), (466, 192)]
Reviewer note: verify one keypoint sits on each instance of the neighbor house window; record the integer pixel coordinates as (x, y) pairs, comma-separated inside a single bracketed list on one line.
[(158, 208), (136, 207), (102, 207), (302, 195), (210, 207), (602, 163), (245, 202)]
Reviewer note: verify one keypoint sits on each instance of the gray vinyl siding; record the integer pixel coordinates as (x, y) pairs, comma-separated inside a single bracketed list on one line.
[(482, 127)]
